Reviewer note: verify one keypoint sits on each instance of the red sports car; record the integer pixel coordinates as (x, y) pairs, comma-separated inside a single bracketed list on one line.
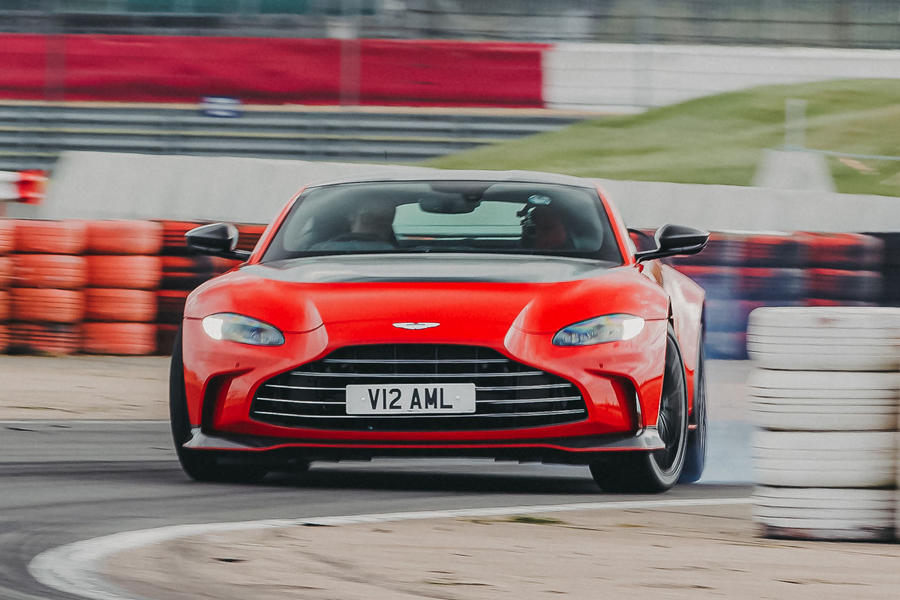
[(502, 315)]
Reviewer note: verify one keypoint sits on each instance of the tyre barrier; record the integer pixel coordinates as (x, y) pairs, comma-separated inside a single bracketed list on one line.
[(7, 235), (775, 250), (173, 236), (4, 338), (136, 306), (823, 338), (6, 271), (740, 271), (50, 237), (59, 271), (841, 284), (832, 459), (890, 269), (850, 251), (248, 236), (125, 272), (839, 514), (165, 338), (45, 338), (124, 237), (186, 272), (171, 305), (40, 305), (825, 397), (823, 400), (4, 306), (119, 338)]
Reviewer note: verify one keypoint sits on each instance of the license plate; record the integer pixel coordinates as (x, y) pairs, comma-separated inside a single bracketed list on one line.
[(411, 399)]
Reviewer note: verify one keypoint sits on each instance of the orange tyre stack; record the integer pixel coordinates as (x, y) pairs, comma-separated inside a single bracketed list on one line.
[(7, 244), (182, 271), (123, 272), (46, 302)]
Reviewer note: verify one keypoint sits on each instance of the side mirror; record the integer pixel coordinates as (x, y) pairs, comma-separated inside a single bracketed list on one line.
[(217, 239), (675, 239)]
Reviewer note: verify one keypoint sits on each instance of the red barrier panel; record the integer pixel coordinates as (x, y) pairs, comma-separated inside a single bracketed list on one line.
[(139, 68), (422, 72), (24, 68)]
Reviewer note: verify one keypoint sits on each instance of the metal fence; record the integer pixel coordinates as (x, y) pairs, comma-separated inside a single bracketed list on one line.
[(32, 136), (825, 23)]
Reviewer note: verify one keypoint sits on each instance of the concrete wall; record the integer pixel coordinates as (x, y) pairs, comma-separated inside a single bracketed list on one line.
[(631, 77), (94, 185)]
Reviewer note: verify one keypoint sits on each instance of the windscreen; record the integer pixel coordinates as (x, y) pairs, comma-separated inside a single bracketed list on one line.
[(446, 216)]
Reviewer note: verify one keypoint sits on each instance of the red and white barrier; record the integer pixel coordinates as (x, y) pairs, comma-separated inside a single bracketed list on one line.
[(22, 186)]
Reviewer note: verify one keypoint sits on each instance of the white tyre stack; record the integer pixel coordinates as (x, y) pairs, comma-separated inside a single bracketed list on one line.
[(826, 398)]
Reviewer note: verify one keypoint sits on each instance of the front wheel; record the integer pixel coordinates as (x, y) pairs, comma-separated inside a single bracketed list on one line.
[(695, 454), (199, 465), (658, 470)]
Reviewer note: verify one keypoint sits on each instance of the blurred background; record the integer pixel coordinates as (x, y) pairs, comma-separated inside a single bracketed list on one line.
[(773, 123)]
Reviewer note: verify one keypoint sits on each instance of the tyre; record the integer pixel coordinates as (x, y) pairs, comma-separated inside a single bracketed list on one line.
[(199, 465), (838, 284), (47, 305), (124, 237), (127, 339), (50, 237), (825, 513), (56, 339), (695, 454), (823, 400), (135, 306), (825, 338), (122, 271), (845, 251), (659, 470), (59, 271), (858, 459), (4, 306), (776, 250), (7, 235), (6, 271)]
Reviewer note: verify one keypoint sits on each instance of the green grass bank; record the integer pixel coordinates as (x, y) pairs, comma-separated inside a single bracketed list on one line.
[(719, 139)]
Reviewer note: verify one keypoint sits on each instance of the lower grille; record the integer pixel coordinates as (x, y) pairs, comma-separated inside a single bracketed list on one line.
[(508, 394)]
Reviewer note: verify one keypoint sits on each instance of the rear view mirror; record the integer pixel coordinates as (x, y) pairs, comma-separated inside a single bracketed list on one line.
[(216, 239), (675, 239), (452, 205)]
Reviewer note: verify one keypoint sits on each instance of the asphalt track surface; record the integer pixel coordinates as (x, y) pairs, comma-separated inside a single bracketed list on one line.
[(65, 481)]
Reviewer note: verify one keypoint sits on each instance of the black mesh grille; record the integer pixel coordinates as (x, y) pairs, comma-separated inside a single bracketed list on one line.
[(508, 394)]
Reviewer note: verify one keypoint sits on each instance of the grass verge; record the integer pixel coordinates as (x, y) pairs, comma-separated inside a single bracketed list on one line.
[(718, 139)]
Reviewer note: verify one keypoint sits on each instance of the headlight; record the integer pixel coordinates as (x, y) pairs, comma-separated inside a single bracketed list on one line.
[(608, 328), (238, 328)]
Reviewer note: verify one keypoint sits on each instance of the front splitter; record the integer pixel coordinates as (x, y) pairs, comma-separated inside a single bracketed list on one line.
[(577, 450)]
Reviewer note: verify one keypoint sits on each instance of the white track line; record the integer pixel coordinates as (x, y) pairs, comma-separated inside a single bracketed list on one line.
[(74, 568)]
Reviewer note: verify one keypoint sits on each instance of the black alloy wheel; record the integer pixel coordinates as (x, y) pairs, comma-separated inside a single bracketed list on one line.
[(658, 470)]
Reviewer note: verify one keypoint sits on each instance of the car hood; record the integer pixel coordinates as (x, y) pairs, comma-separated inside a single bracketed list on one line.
[(533, 294)]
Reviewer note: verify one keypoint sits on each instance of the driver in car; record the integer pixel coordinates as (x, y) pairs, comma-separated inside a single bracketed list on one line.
[(544, 229), (373, 221)]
